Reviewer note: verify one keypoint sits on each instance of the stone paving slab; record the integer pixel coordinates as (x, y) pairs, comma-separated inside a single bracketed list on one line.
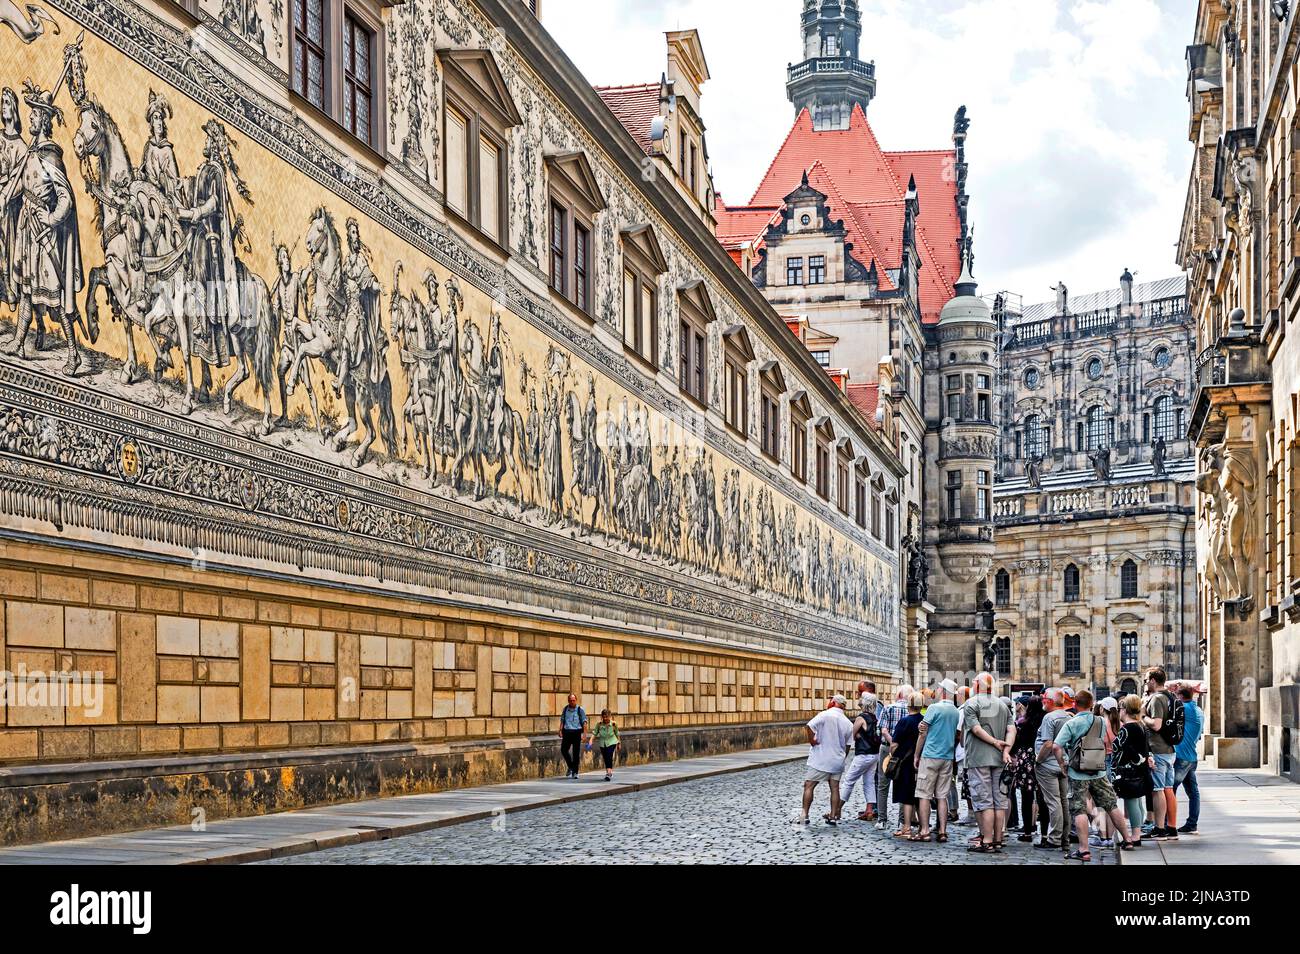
[(289, 834), (1247, 818)]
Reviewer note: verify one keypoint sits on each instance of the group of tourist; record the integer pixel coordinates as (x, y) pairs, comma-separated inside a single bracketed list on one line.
[(1084, 773)]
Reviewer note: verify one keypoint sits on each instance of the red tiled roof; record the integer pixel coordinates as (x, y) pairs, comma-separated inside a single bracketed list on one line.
[(865, 397), (739, 225), (634, 106), (866, 187)]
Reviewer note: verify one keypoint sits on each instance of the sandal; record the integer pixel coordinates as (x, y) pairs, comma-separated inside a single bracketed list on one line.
[(919, 836), (942, 838), (1078, 855), (979, 848)]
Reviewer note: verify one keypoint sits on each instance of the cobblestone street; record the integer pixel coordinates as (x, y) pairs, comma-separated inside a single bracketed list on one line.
[(745, 817)]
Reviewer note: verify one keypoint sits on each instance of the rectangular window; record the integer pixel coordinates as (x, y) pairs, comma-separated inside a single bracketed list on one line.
[(842, 486), (457, 163), (798, 450), (648, 337), (559, 218), (816, 269), (489, 171), (954, 406), (631, 320), (581, 247), (309, 51), (823, 358), (954, 495), (794, 270), (1128, 652), (737, 397), (875, 516), (982, 408), (693, 360), (860, 502), (823, 471), (1004, 656), (694, 164), (770, 434), (358, 80), (889, 527), (1073, 654)]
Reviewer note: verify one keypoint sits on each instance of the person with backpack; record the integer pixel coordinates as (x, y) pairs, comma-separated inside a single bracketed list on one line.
[(1081, 747), (605, 735), (1185, 758), (1131, 762), (1163, 716), (573, 728), (866, 753)]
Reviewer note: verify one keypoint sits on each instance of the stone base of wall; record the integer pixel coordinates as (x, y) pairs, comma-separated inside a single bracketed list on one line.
[(51, 802), (1234, 752)]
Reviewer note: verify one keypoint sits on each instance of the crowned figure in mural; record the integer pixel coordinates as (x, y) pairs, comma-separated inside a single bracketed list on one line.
[(46, 255)]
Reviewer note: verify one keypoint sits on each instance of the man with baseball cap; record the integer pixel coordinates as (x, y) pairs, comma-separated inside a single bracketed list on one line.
[(829, 733), (933, 758)]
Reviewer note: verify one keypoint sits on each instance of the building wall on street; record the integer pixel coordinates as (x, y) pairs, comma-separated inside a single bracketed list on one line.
[(228, 569)]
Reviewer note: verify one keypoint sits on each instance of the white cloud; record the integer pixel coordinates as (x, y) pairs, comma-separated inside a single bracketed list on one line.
[(1077, 147)]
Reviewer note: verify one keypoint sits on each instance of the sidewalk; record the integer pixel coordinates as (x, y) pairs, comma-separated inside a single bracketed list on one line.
[(257, 838), (1247, 818)]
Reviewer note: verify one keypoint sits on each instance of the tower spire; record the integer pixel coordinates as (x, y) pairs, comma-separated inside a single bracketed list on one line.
[(831, 80)]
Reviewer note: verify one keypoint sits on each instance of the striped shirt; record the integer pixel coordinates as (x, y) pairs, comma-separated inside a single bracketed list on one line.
[(890, 716)]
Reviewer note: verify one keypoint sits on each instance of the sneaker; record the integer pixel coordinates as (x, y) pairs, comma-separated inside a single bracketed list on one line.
[(1157, 834), (1148, 828), (608, 777), (880, 826), (1171, 834), (1188, 829)]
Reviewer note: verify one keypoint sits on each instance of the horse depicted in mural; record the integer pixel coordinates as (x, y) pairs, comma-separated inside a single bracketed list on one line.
[(412, 324), (590, 475), (336, 314)]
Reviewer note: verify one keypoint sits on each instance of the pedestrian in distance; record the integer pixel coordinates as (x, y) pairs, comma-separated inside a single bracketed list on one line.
[(605, 735), (989, 735), (1160, 713), (1185, 758), (573, 731)]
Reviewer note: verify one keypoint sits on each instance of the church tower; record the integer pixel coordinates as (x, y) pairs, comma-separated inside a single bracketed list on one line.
[(831, 78)]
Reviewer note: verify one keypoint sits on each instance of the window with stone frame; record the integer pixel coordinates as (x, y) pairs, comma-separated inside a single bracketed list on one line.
[(1071, 584), (794, 270), (1167, 419), (1002, 588), (1035, 447), (983, 495), (983, 397), (860, 497), (800, 414), (771, 385), (1097, 428), (953, 396), (1073, 656), (643, 264), (953, 489), (890, 511), (336, 56), (477, 116), (877, 514), (1128, 652), (575, 201), (822, 464), (843, 462), (737, 353), (1128, 580), (816, 269), (695, 311)]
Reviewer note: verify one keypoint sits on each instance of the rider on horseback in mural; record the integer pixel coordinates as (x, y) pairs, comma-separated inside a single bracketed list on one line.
[(363, 342)]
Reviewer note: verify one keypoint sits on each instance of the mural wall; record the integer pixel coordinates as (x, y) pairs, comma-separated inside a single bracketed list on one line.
[(208, 349)]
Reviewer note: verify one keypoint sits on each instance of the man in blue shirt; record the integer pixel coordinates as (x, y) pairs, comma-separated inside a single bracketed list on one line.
[(1185, 758), (933, 758), (573, 727)]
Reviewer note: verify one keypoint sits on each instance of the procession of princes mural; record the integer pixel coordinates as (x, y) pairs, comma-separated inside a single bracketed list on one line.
[(336, 355)]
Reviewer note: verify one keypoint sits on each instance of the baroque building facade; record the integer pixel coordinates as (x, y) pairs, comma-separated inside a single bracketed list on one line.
[(867, 267), (1094, 575), (363, 396), (1238, 246)]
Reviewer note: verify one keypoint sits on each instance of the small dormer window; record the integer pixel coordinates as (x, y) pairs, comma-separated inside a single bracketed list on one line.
[(805, 219)]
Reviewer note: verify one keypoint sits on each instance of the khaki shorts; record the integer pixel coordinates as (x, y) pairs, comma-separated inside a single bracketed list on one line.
[(933, 779), (985, 784), (1103, 795), (817, 775)]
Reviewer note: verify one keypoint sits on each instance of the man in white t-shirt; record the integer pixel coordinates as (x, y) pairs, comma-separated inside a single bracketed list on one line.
[(829, 734)]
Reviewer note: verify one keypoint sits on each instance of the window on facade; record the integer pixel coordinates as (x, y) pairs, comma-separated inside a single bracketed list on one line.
[(696, 312), (794, 270), (1096, 430), (1002, 588), (954, 405), (358, 78), (889, 526), (798, 443), (822, 464), (694, 165), (983, 495), (842, 481), (575, 200), (1071, 583), (1167, 419), (309, 75), (477, 116), (876, 516), (860, 500), (643, 263), (1128, 580), (1034, 433), (736, 354), (1128, 652), (559, 228), (771, 384), (816, 269), (1073, 654), (822, 357), (1003, 658), (954, 494)]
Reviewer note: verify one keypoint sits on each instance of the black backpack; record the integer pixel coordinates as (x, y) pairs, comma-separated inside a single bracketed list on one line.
[(871, 731), (1171, 729)]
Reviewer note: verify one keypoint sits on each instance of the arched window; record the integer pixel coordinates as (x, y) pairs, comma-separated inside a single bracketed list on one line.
[(1034, 437), (1096, 432), (1002, 588), (1128, 581), (1167, 419), (1071, 583), (1129, 687), (1073, 654)]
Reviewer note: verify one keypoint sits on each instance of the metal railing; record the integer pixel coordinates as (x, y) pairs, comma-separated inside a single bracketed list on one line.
[(831, 64)]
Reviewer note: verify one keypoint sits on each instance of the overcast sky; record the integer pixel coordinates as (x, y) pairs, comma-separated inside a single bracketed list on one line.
[(1078, 142)]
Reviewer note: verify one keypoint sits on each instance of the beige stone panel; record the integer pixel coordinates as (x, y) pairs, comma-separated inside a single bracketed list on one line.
[(389, 625), (306, 616), (197, 738), (176, 669), (178, 703), (111, 593), (374, 650), (19, 745), (238, 608), (318, 645), (318, 704), (464, 704), (374, 704), (219, 638), (165, 738), (219, 704), (65, 589), (89, 628), (349, 676), (159, 599), (30, 704), (287, 643), (178, 636), (32, 660), (444, 704), (97, 705), (138, 678), (422, 654), (110, 741), (269, 612), (399, 704), (483, 685), (399, 651), (223, 670), (18, 583), (286, 704), (255, 671), (272, 734), (201, 604), (33, 624)]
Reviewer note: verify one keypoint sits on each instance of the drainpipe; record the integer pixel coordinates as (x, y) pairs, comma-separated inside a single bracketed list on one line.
[(1182, 597)]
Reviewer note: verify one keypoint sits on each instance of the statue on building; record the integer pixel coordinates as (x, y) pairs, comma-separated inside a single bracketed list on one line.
[(1034, 472), (960, 122), (1062, 298), (1100, 460), (1158, 458)]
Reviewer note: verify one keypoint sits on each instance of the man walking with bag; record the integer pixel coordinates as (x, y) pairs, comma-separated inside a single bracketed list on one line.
[(573, 726), (1080, 745)]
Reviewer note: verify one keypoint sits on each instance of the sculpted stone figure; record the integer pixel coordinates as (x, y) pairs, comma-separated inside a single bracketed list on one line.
[(1237, 485)]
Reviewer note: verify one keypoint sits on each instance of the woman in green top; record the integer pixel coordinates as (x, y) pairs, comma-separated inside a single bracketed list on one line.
[(606, 737)]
